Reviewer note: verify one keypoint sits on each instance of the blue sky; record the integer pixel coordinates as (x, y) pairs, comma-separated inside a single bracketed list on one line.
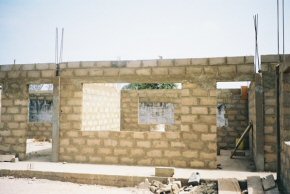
[(136, 29)]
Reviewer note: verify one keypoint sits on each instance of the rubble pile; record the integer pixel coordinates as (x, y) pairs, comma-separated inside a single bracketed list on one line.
[(175, 187)]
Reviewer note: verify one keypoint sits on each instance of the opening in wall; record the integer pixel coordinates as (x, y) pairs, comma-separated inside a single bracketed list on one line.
[(101, 107), (156, 103), (156, 113), (40, 103)]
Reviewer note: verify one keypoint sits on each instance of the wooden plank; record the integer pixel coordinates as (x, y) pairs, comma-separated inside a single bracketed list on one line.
[(7, 158), (255, 185), (268, 182), (249, 127), (229, 186)]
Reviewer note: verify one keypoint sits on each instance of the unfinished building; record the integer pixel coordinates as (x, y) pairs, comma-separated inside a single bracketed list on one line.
[(90, 120)]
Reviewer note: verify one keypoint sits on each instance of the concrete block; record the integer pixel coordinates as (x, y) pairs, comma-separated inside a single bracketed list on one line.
[(172, 153), (127, 71), (103, 64), (104, 151), (229, 186), (165, 62), (210, 70), (33, 74), (73, 64), (254, 185), (81, 72), (126, 143), (235, 60), (144, 144), (176, 71), (217, 61), (190, 154), (48, 73), (249, 60), (172, 135), (208, 137), (199, 61), (6, 67), (224, 69), (133, 64), (67, 73), (3, 74), (111, 160), (268, 182), (207, 155), (88, 64), (96, 72), (111, 72), (188, 101), (28, 67), (14, 74), (199, 110), (160, 71), (194, 70), (7, 158), (197, 164), (269, 59), (42, 66), (149, 63), (154, 153), (137, 152), (241, 69), (182, 62), (164, 172), (160, 144)]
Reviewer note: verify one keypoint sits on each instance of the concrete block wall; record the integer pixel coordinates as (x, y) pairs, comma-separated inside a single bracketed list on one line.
[(14, 119), (236, 112), (101, 107), (285, 166), (40, 131), (270, 141), (262, 107), (252, 117), (285, 124), (198, 118), (130, 100), (15, 100), (194, 145)]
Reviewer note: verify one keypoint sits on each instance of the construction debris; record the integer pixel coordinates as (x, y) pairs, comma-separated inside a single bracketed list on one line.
[(268, 182), (7, 158), (175, 187), (229, 186), (266, 185), (164, 172), (194, 179)]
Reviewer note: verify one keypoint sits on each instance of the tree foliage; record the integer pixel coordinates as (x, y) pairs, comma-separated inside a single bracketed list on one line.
[(150, 86)]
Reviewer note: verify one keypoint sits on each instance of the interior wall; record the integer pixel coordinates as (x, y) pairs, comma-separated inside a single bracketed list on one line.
[(285, 128), (233, 108), (194, 145), (270, 144), (101, 107)]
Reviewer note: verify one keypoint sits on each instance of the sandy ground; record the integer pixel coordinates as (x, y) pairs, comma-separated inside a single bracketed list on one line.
[(11, 185)]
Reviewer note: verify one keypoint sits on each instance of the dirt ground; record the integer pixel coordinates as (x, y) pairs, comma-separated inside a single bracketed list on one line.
[(11, 185)]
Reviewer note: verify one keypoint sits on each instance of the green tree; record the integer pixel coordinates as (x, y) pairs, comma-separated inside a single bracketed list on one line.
[(150, 86)]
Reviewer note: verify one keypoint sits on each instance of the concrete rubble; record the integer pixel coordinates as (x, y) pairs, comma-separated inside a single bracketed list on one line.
[(175, 187)]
